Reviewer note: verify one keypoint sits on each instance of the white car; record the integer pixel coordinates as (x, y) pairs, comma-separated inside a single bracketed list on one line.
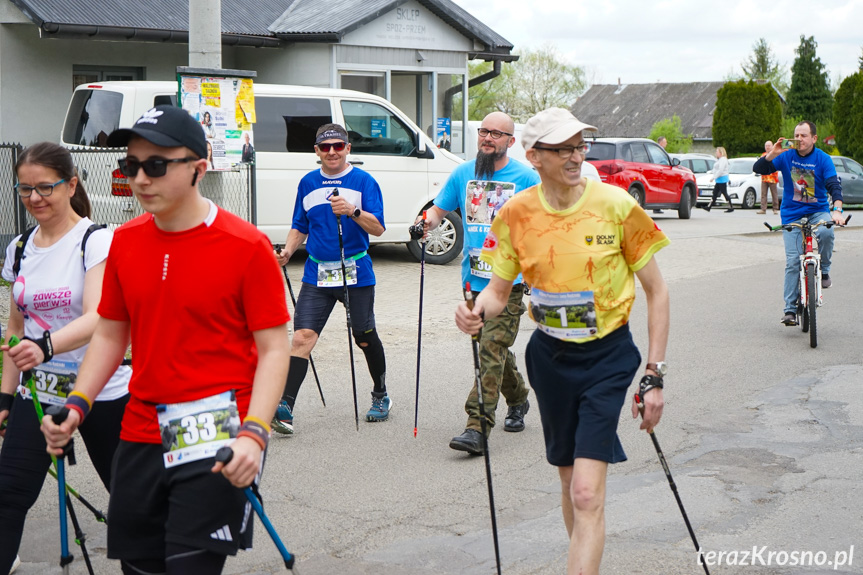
[(700, 165)]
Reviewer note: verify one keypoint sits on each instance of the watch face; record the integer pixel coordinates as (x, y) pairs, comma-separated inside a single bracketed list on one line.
[(356, 213), (661, 368)]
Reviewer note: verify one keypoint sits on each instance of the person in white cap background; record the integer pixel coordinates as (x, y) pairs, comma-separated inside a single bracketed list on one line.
[(579, 244)]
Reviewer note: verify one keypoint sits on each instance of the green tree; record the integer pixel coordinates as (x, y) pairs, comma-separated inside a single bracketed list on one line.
[(762, 65), (848, 140), (809, 96), (747, 114), (539, 79), (672, 129)]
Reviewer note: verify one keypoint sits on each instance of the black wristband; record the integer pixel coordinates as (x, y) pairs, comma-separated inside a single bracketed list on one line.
[(6, 400), (44, 344)]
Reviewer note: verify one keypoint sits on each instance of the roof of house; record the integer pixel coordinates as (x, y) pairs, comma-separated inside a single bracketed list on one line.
[(268, 21), (630, 110)]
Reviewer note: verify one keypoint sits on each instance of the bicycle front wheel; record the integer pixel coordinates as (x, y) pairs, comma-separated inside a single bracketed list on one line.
[(812, 304)]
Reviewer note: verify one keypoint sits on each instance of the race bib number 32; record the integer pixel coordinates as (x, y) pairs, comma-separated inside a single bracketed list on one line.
[(195, 430)]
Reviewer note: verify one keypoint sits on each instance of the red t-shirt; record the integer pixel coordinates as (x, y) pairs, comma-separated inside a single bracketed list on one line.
[(193, 299)]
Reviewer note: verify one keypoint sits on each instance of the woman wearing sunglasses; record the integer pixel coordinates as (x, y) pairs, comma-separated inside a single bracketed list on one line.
[(55, 292)]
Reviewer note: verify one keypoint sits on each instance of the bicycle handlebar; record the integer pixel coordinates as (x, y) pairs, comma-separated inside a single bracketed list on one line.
[(789, 227)]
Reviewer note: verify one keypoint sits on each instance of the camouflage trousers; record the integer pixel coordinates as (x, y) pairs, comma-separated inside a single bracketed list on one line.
[(497, 368)]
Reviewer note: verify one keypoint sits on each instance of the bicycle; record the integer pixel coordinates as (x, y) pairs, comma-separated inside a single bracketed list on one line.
[(810, 275)]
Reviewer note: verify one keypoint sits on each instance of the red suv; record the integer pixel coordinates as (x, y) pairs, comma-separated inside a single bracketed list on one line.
[(645, 170)]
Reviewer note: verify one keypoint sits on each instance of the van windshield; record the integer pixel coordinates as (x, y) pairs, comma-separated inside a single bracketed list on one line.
[(93, 114)]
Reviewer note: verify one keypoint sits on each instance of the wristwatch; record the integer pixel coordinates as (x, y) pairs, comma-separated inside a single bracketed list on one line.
[(660, 368), (356, 213)]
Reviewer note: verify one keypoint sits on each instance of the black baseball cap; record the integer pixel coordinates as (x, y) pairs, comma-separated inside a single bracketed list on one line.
[(166, 126)]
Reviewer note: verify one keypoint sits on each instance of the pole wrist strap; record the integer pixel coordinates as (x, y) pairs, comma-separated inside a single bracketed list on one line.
[(44, 344)]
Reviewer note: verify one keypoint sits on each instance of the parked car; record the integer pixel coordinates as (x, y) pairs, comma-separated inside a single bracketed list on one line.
[(700, 165), (851, 176), (642, 168), (744, 185)]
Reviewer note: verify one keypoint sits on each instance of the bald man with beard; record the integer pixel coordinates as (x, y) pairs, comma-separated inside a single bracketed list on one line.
[(491, 170)]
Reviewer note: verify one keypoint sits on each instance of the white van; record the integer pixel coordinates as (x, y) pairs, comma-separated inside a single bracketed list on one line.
[(410, 169)]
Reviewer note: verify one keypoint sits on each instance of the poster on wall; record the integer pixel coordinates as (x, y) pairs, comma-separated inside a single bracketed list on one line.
[(225, 109), (443, 135)]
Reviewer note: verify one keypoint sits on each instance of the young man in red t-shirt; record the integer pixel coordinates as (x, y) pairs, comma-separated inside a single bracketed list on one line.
[(211, 344)]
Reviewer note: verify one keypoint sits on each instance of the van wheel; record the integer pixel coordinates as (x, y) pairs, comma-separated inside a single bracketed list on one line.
[(444, 242)]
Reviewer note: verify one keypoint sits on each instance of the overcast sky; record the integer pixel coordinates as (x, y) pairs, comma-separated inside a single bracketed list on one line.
[(640, 41)]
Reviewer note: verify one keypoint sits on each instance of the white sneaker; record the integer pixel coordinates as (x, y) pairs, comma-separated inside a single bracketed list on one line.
[(15, 565)]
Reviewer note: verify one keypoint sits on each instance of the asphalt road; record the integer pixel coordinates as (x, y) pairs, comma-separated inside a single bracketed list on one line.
[(764, 437)]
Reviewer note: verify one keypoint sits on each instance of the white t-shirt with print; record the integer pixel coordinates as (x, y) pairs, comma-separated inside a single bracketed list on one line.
[(49, 292)]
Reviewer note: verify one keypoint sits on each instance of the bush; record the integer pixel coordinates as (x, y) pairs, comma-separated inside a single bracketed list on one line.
[(671, 128), (747, 114)]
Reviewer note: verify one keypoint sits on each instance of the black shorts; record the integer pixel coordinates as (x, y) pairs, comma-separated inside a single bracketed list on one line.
[(580, 389), (314, 305), (187, 504)]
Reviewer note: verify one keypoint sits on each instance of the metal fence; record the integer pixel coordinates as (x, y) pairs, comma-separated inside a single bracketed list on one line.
[(233, 191)]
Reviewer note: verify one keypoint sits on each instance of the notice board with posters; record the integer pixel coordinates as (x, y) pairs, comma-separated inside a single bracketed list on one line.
[(223, 102)]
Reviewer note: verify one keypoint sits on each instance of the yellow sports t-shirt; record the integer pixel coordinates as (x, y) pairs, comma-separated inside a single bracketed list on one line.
[(580, 262)]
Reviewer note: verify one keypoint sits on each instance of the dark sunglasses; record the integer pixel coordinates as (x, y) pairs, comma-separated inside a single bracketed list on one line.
[(154, 167), (337, 146)]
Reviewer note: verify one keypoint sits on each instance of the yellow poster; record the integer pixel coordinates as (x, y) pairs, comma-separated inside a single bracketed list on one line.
[(211, 94), (245, 102)]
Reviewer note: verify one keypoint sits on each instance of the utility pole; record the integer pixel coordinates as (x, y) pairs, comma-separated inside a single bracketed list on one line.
[(205, 34)]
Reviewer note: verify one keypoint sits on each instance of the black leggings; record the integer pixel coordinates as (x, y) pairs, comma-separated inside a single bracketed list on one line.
[(720, 189), (24, 463)]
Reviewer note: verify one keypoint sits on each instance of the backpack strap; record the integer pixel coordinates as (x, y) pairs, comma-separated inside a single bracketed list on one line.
[(19, 250), (87, 234)]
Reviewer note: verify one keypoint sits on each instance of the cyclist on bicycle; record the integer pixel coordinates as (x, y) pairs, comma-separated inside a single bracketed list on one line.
[(808, 177)]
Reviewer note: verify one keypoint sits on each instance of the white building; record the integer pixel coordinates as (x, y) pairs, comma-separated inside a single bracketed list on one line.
[(412, 52)]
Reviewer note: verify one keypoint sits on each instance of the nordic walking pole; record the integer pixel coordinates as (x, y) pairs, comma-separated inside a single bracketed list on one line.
[(279, 248), (80, 536), (348, 315), (225, 454), (640, 403), (417, 232), (58, 415), (468, 297), (99, 516), (31, 385)]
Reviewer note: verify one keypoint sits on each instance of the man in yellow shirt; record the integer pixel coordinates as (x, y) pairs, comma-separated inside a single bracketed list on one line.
[(579, 244)]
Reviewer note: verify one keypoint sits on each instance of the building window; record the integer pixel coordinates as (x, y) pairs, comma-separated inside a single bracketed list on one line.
[(87, 74)]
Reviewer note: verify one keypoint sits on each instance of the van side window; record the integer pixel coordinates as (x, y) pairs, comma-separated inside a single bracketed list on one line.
[(372, 129), (165, 100), (93, 114), (289, 124)]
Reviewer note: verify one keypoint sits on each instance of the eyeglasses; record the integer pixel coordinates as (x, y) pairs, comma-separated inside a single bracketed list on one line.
[(495, 134), (566, 152), (43, 190), (154, 167), (337, 146)]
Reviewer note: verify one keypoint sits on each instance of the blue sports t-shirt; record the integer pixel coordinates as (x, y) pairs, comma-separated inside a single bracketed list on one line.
[(313, 215), (804, 179), (480, 202)]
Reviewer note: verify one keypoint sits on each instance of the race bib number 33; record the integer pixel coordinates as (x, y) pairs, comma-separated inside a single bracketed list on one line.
[(195, 430)]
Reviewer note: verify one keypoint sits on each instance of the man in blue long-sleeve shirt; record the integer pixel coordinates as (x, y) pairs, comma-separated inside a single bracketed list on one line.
[(808, 176)]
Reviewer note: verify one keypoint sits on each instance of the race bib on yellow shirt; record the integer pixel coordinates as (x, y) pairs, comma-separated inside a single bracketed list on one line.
[(195, 430), (568, 315)]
